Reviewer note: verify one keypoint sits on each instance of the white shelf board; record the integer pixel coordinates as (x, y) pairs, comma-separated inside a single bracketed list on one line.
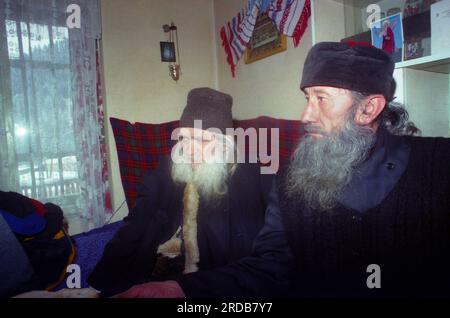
[(438, 63)]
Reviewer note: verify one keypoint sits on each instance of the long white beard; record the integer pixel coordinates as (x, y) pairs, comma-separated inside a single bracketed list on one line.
[(208, 180), (321, 168)]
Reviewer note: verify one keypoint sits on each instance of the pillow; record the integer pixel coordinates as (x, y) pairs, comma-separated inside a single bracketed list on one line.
[(140, 146)]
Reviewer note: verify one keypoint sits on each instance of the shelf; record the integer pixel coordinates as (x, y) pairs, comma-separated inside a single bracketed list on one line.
[(415, 26), (438, 63)]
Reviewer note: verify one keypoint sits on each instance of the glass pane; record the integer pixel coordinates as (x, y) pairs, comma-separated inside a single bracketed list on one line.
[(70, 168), (13, 40), (25, 178), (63, 103), (39, 42), (47, 178), (61, 45), (45, 120), (21, 126), (25, 40)]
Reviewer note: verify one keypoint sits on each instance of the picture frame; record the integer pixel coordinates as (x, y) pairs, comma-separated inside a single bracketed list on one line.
[(393, 11), (413, 49), (387, 34), (167, 51), (266, 40), (412, 7)]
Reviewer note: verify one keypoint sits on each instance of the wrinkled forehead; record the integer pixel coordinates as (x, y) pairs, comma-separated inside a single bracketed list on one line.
[(327, 90)]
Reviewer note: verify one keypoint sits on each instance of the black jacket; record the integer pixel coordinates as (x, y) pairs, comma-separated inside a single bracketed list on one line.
[(226, 227)]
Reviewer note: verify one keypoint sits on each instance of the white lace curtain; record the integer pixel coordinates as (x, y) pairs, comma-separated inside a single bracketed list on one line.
[(51, 115)]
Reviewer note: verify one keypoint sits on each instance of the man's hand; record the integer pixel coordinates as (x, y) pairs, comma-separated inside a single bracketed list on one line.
[(167, 289)]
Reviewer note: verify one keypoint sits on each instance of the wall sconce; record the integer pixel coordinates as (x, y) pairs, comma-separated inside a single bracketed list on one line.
[(170, 51)]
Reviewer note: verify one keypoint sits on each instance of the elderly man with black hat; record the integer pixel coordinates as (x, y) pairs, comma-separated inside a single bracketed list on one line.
[(197, 211), (364, 206)]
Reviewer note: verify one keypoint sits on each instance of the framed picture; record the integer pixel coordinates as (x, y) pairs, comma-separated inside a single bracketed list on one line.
[(413, 49), (387, 34), (167, 51), (412, 7), (393, 11), (266, 40)]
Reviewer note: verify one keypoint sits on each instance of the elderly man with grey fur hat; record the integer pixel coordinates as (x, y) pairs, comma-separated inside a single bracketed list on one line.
[(199, 210)]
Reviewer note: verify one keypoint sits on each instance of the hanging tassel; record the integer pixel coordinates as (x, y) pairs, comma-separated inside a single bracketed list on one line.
[(190, 211), (302, 23)]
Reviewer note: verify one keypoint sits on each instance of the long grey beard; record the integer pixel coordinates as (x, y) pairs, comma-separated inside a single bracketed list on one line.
[(321, 168), (208, 178)]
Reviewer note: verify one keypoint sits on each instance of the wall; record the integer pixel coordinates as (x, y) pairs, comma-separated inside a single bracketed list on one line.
[(267, 87), (137, 84), (427, 96), (329, 17)]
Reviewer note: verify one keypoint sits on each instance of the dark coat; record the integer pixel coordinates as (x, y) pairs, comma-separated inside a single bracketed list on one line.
[(226, 227)]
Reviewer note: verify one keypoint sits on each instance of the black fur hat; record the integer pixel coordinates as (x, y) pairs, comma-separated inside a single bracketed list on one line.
[(212, 107), (356, 66)]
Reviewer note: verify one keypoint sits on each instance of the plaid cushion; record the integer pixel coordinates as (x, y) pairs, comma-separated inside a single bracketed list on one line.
[(140, 146)]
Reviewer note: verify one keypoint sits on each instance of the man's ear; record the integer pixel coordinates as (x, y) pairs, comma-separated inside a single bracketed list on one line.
[(369, 110)]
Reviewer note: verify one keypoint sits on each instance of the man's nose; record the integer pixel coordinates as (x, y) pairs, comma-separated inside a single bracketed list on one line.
[(188, 147), (309, 114)]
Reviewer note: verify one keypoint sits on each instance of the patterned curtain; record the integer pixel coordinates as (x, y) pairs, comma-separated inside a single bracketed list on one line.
[(51, 114)]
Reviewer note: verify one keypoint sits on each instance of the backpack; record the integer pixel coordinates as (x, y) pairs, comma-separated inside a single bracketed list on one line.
[(41, 231)]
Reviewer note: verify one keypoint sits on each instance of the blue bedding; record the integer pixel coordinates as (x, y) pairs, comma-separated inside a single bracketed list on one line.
[(90, 246)]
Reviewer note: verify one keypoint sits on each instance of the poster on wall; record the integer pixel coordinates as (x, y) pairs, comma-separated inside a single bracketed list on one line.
[(387, 34), (387, 8)]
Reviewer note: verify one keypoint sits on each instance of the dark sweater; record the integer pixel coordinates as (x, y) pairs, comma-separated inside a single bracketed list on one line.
[(407, 234), (226, 228)]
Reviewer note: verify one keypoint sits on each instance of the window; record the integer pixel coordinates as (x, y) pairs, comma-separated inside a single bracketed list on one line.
[(44, 139), (51, 115)]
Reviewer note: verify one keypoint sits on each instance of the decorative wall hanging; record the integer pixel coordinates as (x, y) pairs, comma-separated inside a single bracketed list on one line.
[(290, 17)]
